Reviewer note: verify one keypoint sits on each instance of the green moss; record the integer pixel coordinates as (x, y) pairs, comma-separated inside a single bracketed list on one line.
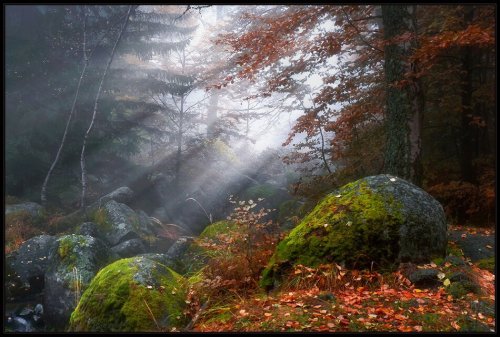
[(438, 260), (120, 299), (220, 227), (73, 253), (469, 324), (100, 217), (196, 256), (488, 264), (259, 191), (355, 225), (461, 288), (223, 317), (453, 249), (66, 249)]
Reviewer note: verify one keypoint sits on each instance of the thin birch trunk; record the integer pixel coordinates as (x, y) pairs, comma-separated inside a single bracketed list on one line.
[(43, 195), (82, 156)]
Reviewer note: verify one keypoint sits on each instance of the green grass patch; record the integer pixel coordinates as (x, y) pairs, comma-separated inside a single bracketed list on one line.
[(488, 264)]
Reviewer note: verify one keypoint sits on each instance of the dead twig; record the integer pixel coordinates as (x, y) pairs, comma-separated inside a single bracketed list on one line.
[(152, 315), (196, 317)]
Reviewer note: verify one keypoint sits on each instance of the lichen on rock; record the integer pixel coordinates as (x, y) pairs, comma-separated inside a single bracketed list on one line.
[(73, 264), (120, 223)]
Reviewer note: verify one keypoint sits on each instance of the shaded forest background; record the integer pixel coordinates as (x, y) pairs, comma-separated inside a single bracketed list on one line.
[(146, 130)]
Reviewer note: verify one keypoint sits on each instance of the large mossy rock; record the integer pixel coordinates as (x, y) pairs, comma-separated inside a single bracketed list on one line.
[(120, 223), (133, 294), (378, 219), (73, 264)]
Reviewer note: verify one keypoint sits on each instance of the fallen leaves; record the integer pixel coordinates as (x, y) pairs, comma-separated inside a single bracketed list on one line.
[(455, 325), (390, 307), (400, 317), (404, 328)]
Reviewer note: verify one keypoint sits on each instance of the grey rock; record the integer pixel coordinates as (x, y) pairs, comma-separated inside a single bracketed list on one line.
[(25, 267), (123, 223), (186, 257), (474, 245), (454, 260), (122, 195), (38, 309), (459, 276), (147, 226), (423, 233), (425, 278), (129, 248), (161, 214), (18, 324), (91, 229), (34, 209), (73, 264), (180, 247), (160, 258)]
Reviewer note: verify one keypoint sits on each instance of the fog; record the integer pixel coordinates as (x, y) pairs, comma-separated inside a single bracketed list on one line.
[(179, 168)]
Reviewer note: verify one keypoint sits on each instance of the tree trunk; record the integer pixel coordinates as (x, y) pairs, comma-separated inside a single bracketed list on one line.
[(323, 156), (82, 155), (214, 99), (467, 139), (416, 121), (403, 119), (212, 114), (178, 158), (43, 194)]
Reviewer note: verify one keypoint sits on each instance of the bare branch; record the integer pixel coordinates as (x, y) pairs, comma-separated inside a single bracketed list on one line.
[(190, 7)]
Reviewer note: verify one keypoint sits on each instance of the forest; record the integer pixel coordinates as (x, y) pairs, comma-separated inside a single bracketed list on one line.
[(251, 168)]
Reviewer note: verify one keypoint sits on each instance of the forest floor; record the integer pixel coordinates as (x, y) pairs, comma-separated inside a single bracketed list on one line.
[(368, 301), (476, 243)]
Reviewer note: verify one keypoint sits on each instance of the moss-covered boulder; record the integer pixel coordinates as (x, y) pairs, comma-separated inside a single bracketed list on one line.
[(188, 256), (73, 263), (379, 220), (133, 294)]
